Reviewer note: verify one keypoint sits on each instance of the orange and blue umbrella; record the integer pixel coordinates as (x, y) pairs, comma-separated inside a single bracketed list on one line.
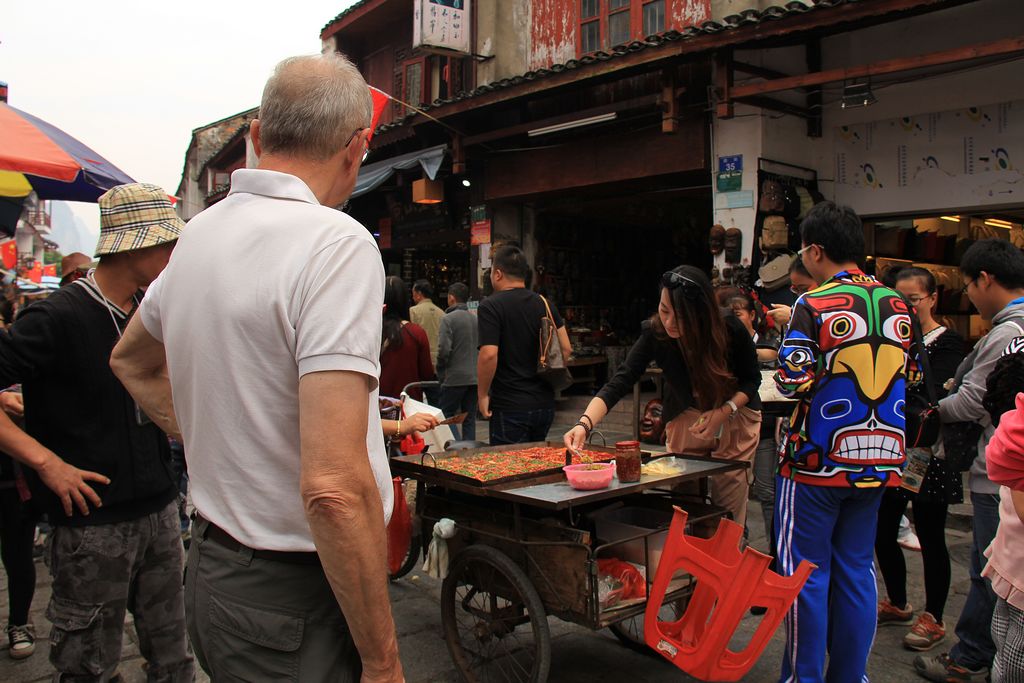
[(37, 156)]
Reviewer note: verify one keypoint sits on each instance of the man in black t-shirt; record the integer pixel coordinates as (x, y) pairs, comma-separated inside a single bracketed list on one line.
[(519, 404)]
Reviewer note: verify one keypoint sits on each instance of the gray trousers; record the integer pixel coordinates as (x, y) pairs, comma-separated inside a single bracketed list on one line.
[(253, 619), (766, 460), (100, 573)]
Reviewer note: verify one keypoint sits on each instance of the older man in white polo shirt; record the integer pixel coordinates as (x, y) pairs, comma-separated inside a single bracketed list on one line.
[(272, 356)]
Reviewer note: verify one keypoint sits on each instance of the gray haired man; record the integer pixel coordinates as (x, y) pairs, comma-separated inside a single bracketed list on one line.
[(275, 390)]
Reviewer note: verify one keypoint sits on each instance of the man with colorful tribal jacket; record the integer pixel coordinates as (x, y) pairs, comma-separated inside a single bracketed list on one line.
[(848, 358)]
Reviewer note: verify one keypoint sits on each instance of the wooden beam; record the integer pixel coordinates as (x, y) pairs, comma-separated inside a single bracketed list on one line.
[(584, 162), (815, 100), (521, 128), (762, 71), (889, 66), (776, 105), (829, 19), (723, 84), (458, 155), (669, 101)]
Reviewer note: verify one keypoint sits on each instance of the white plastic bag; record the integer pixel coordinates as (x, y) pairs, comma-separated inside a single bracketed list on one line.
[(436, 438)]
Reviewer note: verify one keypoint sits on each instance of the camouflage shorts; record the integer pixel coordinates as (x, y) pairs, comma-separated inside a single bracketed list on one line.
[(100, 573)]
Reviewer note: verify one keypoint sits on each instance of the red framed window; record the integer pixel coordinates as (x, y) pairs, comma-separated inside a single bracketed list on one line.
[(619, 27), (416, 81), (653, 19), (607, 23), (590, 26)]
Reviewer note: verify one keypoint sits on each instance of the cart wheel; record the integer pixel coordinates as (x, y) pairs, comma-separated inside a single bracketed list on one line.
[(494, 622), (410, 559), (631, 631)]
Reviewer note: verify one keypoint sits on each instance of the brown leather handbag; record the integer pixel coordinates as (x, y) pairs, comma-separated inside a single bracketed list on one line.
[(551, 365)]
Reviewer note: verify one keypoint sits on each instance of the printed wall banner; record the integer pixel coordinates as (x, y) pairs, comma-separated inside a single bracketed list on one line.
[(442, 25), (480, 232), (734, 200), (955, 159)]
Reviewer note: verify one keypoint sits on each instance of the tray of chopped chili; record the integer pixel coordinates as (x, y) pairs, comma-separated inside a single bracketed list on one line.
[(497, 465)]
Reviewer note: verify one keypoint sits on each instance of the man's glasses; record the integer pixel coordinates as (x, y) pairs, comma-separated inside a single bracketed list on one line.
[(801, 252), (673, 280), (366, 150)]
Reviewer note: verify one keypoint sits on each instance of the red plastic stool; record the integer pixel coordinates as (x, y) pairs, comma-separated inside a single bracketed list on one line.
[(729, 583)]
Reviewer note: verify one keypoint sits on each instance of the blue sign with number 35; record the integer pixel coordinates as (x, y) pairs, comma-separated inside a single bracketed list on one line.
[(733, 163)]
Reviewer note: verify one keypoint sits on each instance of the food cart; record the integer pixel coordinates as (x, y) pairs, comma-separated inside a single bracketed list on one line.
[(527, 546)]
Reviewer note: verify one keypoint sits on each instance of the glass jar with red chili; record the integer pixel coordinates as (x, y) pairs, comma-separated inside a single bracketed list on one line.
[(627, 461)]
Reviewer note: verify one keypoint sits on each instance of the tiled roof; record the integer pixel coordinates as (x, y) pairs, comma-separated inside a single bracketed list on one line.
[(744, 19), (344, 13), (239, 132)]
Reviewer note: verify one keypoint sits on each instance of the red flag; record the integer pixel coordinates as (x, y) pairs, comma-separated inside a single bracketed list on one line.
[(50, 270), (380, 100), (9, 253), (36, 274)]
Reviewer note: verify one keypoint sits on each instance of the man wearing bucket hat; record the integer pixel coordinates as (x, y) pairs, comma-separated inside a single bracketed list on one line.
[(108, 487)]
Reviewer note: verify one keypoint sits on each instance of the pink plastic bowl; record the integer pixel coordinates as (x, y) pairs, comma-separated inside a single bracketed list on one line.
[(586, 478)]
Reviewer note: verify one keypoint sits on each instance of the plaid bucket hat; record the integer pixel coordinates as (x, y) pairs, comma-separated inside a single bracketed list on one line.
[(136, 216)]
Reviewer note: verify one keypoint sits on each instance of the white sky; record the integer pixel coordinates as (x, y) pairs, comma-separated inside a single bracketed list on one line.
[(132, 79)]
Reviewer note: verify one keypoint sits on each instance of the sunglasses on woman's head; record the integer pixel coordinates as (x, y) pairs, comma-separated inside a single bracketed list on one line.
[(673, 280)]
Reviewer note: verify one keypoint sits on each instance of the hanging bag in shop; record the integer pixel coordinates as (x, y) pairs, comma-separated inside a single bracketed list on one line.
[(775, 273), (550, 361), (774, 233), (772, 199)]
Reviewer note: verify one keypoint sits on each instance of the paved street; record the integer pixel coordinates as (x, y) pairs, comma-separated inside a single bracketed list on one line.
[(579, 655)]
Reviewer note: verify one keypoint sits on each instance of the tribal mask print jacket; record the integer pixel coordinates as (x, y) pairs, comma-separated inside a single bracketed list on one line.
[(848, 357)]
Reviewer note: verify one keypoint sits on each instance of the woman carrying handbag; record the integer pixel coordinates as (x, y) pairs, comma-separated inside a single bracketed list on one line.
[(939, 487)]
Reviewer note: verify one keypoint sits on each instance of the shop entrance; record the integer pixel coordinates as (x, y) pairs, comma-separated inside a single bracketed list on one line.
[(937, 242), (599, 258)]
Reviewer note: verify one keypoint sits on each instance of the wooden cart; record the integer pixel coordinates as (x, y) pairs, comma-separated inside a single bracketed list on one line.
[(525, 549)]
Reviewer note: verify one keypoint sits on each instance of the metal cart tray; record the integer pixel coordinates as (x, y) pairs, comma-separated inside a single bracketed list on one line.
[(411, 465)]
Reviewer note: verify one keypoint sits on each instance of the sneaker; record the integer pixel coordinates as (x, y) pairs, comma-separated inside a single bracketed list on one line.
[(910, 541), (942, 669), (890, 615), (925, 634), (22, 641)]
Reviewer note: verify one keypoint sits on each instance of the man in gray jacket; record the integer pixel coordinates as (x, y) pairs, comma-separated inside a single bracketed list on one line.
[(994, 272), (456, 360)]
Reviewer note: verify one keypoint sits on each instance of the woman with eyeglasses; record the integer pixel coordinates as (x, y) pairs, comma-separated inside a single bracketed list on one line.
[(800, 282), (711, 378), (939, 488)]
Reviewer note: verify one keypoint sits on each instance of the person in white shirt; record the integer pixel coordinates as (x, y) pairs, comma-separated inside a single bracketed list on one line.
[(273, 360)]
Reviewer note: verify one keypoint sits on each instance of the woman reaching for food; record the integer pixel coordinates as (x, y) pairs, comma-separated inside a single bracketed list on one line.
[(711, 382)]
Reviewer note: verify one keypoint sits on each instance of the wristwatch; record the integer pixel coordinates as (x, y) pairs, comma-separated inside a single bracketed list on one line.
[(732, 405)]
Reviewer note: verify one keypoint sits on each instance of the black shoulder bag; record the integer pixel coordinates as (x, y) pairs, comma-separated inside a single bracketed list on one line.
[(923, 423)]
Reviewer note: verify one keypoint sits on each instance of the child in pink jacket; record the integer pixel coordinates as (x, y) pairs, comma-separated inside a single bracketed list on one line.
[(1005, 568)]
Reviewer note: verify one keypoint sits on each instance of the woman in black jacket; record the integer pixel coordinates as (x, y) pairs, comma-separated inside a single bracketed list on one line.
[(711, 378), (940, 487)]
